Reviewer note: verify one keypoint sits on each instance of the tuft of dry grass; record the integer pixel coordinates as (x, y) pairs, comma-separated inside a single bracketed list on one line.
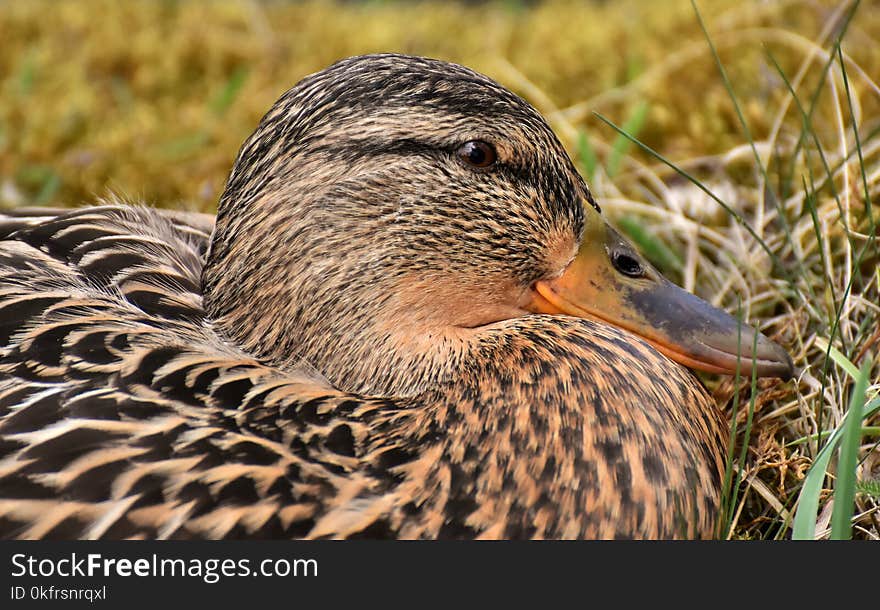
[(151, 100)]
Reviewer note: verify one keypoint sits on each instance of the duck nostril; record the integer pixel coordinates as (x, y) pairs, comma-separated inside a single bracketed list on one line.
[(628, 265)]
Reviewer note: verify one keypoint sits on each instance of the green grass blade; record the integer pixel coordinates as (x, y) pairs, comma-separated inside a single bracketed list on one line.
[(684, 174), (804, 524), (747, 432), (654, 248), (845, 482), (27, 74), (633, 125), (865, 182), (226, 96), (728, 492), (866, 431), (823, 76), (869, 488), (587, 156), (746, 131), (810, 203), (811, 195), (807, 128), (838, 358)]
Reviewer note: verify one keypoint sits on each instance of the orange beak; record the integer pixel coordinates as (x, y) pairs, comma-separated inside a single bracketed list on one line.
[(610, 282)]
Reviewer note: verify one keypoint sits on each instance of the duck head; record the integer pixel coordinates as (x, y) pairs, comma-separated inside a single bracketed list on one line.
[(389, 207)]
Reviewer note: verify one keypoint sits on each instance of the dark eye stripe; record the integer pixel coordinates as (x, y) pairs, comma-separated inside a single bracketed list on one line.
[(360, 148), (517, 169)]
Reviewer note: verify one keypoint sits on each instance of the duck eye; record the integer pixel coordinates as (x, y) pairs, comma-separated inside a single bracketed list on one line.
[(626, 264), (477, 153)]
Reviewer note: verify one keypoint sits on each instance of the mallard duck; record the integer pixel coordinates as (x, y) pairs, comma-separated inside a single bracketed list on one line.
[(408, 320)]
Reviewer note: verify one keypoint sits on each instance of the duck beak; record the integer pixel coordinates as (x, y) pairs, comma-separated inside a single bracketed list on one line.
[(609, 281)]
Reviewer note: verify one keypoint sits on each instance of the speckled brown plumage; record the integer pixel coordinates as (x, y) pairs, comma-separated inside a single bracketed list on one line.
[(340, 358)]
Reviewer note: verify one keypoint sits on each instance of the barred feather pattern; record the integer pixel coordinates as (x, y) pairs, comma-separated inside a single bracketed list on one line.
[(124, 414), (110, 380)]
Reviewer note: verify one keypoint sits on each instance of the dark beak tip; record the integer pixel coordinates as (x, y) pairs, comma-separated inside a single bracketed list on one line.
[(791, 367), (782, 365), (789, 373), (790, 370)]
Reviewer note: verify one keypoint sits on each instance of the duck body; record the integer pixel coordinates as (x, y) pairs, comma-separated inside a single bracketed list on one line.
[(149, 388), (125, 415)]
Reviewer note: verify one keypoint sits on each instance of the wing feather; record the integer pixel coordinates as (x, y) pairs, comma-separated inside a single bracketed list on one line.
[(123, 415)]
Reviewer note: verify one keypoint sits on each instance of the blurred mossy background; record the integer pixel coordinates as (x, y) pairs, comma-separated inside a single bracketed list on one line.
[(150, 101)]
